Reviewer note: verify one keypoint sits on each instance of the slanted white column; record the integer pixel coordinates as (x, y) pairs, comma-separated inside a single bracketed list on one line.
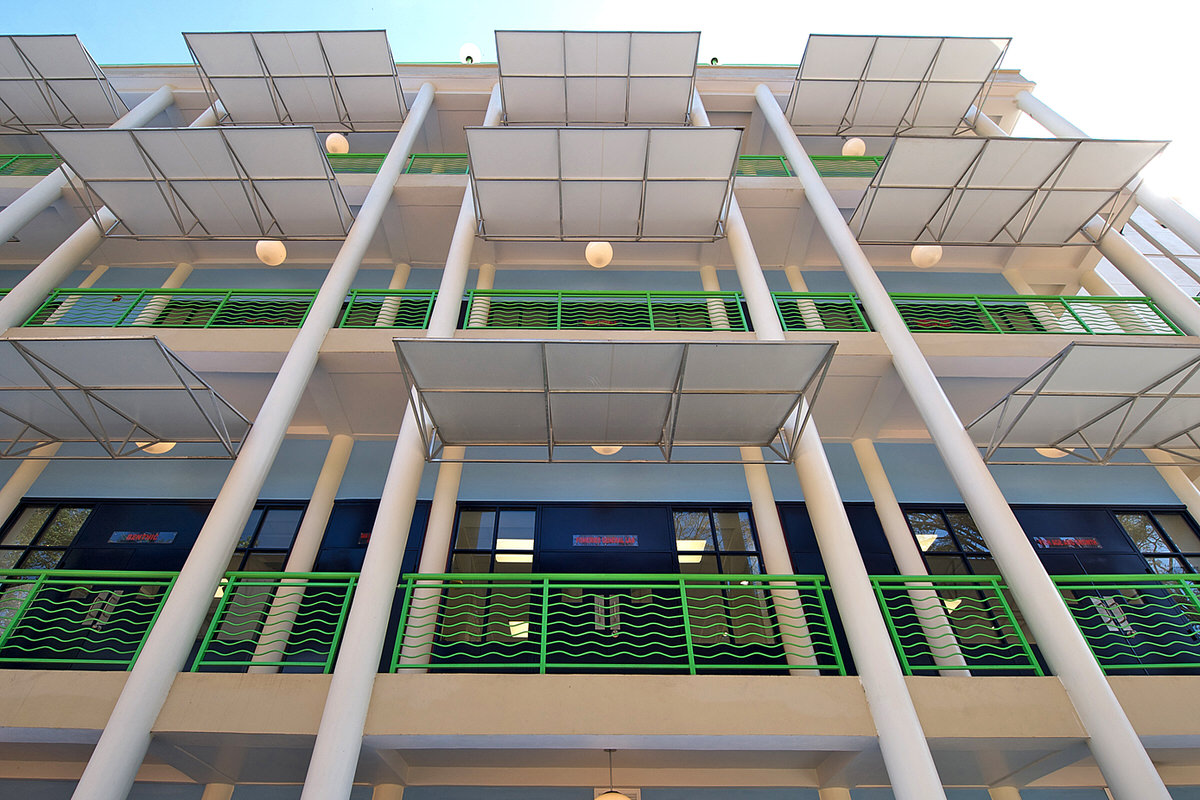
[(1095, 284), (481, 308), (339, 737), (149, 314), (1113, 741), (45, 192), (901, 738), (22, 480), (303, 556), (808, 309), (1181, 222), (217, 791), (1180, 484), (114, 763), (718, 317), (87, 283), (1004, 793), (24, 298), (390, 307), (1044, 313)]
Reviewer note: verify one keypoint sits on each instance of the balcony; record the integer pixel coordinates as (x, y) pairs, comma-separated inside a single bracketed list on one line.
[(643, 311), (25, 164)]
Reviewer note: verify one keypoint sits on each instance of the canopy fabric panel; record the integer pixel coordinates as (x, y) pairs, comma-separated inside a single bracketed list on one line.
[(891, 85), (52, 82), (109, 398), (208, 183), (1096, 401), (660, 401), (1001, 191), (596, 78), (622, 184), (334, 80)]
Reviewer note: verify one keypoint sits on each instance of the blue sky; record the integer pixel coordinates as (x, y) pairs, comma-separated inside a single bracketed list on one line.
[(1115, 69)]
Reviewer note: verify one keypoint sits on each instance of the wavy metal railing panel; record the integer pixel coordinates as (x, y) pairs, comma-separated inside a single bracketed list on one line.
[(1083, 316), (1137, 622), (173, 308), (649, 311), (846, 166), (78, 619), (437, 164), (388, 309), (763, 167), (368, 163), (584, 623), (28, 164), (944, 622), (292, 619), (820, 311)]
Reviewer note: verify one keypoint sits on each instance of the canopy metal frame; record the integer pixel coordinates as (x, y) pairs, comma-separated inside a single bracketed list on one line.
[(1012, 230), (1132, 410), (266, 220), (907, 121), (782, 447), (345, 118), (90, 406), (628, 75), (718, 229), (59, 113)]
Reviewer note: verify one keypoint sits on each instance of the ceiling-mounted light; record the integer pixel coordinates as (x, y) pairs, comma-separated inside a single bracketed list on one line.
[(270, 252), (926, 255), (1054, 452), (854, 147), (336, 144), (607, 449), (156, 448), (470, 54), (611, 794), (598, 254)]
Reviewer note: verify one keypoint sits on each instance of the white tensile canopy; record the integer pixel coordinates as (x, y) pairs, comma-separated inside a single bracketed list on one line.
[(624, 184), (52, 82), (891, 85), (208, 183), (1096, 401), (596, 78), (343, 80), (109, 398), (660, 401), (996, 191)]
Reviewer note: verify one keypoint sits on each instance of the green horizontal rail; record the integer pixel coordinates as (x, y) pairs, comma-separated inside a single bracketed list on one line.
[(847, 166), (664, 623), (292, 619), (437, 164), (76, 618), (649, 311), (173, 308), (825, 311), (1137, 622), (28, 164), (942, 623), (369, 308)]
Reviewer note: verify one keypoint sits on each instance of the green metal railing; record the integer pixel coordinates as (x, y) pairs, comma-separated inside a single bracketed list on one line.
[(847, 166), (826, 311), (292, 619), (368, 163), (650, 311), (1137, 622), (953, 622), (368, 308), (173, 308), (76, 618), (437, 164), (570, 623), (28, 164), (763, 167)]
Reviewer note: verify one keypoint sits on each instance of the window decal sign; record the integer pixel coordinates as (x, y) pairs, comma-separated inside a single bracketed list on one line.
[(142, 537), (1067, 542), (603, 540)]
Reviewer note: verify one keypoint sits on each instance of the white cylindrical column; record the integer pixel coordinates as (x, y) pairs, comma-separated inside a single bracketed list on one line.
[(833, 793), (901, 738), (1004, 793), (390, 307), (277, 628), (481, 305), (114, 763), (444, 317), (1180, 484), (23, 299), (718, 317), (45, 192), (217, 791), (388, 791), (1113, 742), (178, 276), (1096, 285), (808, 309), (87, 283), (339, 737), (1181, 222), (22, 480)]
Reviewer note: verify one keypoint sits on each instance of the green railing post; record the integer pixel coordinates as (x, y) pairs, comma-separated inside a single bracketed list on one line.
[(45, 306), (650, 310), (897, 643), (216, 312), (153, 619), (988, 315), (21, 609), (6, 164), (470, 308), (544, 628), (228, 582), (1012, 618), (137, 301), (402, 623), (351, 299), (821, 589), (336, 642), (687, 626), (1067, 305)]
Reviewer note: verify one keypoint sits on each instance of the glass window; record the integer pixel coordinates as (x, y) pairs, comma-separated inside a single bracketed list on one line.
[(515, 531), (247, 537), (951, 542), (1145, 534), (27, 525), (1166, 565), (268, 535), (475, 529), (733, 530), (41, 559), (503, 540), (1180, 531), (732, 543), (278, 528), (39, 536), (933, 535), (970, 540)]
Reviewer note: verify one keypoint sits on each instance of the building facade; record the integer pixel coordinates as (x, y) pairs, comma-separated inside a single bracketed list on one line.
[(588, 419)]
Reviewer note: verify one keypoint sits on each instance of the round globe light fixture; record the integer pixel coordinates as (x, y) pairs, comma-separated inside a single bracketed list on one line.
[(270, 252), (336, 143), (157, 448), (607, 449), (470, 53), (612, 795), (854, 147), (598, 254), (926, 255), (1053, 452)]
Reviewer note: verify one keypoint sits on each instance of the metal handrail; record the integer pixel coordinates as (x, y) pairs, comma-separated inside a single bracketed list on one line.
[(651, 311), (34, 164)]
